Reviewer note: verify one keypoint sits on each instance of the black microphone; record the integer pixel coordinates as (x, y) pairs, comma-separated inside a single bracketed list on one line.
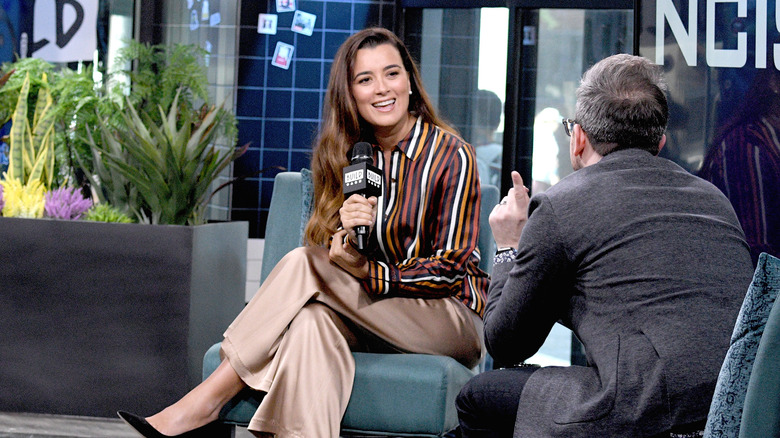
[(363, 178)]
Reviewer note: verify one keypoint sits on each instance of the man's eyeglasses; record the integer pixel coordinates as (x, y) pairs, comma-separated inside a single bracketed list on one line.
[(568, 125)]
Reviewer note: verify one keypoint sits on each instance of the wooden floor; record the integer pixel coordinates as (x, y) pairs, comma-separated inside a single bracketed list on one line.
[(16, 425)]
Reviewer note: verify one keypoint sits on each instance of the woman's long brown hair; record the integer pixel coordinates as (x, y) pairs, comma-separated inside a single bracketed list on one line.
[(342, 127)]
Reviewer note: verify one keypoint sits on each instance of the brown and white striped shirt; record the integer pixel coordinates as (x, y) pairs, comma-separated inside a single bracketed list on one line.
[(425, 239)]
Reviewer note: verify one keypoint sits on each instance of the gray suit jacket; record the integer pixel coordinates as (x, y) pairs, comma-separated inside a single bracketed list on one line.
[(648, 265)]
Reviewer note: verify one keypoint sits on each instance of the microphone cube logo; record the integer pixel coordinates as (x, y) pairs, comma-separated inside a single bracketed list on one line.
[(353, 177), (374, 178), (363, 179)]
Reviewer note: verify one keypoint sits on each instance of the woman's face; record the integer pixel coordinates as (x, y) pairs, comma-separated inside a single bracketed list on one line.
[(380, 86)]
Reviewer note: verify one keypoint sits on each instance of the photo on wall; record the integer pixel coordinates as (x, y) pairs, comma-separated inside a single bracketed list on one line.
[(282, 55), (303, 23)]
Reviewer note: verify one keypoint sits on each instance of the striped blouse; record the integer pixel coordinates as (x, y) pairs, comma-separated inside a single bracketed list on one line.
[(425, 239)]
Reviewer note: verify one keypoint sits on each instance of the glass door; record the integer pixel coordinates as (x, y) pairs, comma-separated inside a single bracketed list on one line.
[(462, 55), (569, 41), (504, 77)]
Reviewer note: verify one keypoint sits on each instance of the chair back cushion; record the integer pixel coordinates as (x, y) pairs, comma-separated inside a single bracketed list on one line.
[(728, 400), (284, 224)]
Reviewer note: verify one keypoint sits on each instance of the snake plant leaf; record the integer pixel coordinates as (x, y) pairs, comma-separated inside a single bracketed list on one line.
[(26, 150), (44, 100), (18, 134), (31, 155), (44, 120), (42, 143), (37, 168), (51, 162)]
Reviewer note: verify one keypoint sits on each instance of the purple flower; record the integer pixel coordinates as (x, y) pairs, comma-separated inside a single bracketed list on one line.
[(2, 199), (66, 203)]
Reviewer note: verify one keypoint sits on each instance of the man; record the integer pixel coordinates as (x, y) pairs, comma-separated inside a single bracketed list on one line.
[(644, 262), (487, 112)]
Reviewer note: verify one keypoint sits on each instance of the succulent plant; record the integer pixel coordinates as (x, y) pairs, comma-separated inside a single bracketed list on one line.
[(106, 213)]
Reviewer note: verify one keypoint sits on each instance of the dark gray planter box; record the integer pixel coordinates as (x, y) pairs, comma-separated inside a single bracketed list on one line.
[(96, 317)]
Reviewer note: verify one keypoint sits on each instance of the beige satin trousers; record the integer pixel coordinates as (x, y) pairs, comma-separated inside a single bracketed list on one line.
[(295, 336)]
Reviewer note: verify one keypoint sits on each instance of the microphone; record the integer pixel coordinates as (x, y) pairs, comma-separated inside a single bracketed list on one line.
[(363, 178)]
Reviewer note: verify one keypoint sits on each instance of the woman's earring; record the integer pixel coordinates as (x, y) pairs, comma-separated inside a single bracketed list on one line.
[(410, 92)]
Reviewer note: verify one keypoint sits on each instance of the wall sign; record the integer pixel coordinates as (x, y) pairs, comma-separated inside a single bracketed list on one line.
[(64, 30)]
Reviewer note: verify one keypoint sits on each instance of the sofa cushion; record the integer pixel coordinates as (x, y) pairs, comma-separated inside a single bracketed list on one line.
[(397, 394)]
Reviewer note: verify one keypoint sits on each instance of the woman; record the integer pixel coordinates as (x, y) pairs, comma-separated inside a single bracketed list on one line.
[(744, 163), (416, 288)]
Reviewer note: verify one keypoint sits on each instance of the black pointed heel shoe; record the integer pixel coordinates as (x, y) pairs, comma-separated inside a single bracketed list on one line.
[(148, 431)]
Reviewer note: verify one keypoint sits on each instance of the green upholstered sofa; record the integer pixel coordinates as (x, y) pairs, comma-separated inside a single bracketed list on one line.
[(393, 394)]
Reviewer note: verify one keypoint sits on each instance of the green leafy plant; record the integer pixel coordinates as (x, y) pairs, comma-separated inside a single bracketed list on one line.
[(166, 170), (80, 104), (31, 70), (77, 103), (3, 80), (103, 136), (161, 73), (3, 166)]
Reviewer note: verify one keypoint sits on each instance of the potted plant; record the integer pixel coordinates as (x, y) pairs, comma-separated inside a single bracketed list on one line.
[(101, 315), (160, 173)]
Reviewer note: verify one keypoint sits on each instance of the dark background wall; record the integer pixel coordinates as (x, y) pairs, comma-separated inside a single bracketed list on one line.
[(279, 110)]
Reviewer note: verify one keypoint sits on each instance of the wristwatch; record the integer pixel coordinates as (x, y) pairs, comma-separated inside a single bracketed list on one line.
[(504, 254)]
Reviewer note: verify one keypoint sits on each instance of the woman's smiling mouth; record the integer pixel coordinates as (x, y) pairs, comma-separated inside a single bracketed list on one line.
[(384, 104)]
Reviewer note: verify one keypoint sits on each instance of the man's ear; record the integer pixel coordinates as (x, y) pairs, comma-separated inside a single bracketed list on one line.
[(580, 141), (661, 144)]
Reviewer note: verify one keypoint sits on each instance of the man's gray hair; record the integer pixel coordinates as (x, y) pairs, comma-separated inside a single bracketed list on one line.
[(621, 104)]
